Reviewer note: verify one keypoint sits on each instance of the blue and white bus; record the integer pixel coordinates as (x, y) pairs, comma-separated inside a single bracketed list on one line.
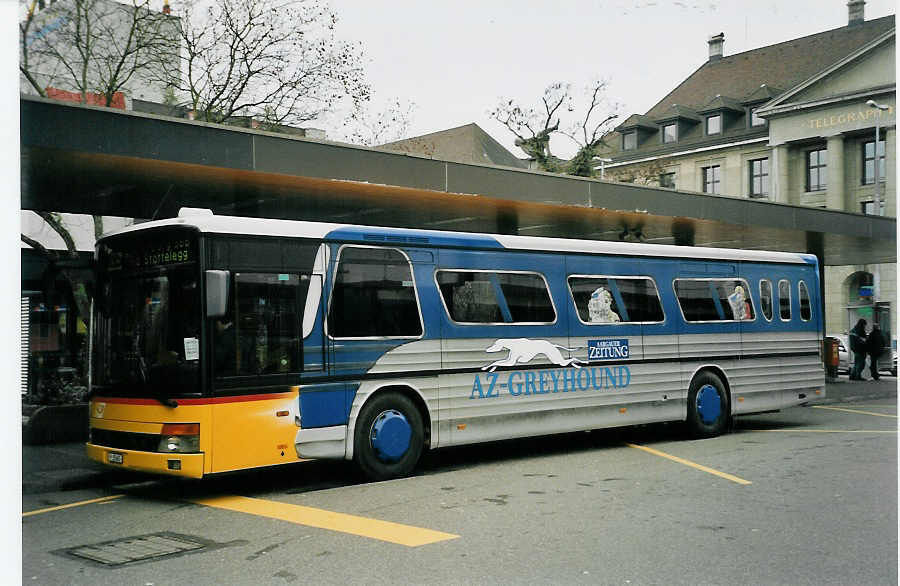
[(225, 343)]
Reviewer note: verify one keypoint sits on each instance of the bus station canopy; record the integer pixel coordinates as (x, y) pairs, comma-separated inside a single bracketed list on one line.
[(102, 161)]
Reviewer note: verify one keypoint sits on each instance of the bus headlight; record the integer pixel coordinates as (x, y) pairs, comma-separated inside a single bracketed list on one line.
[(179, 438)]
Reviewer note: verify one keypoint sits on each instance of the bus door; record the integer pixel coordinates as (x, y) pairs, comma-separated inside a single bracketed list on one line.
[(261, 347), (373, 310)]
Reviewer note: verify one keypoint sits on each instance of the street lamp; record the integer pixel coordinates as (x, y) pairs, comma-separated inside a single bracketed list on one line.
[(877, 196), (876, 277)]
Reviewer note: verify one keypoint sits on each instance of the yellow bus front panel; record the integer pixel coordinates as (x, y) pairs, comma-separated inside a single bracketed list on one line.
[(234, 433), (128, 433)]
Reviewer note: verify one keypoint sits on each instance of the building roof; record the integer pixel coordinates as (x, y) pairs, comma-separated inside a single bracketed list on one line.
[(677, 111), (636, 120), (464, 144), (720, 102), (749, 79), (763, 93), (783, 65)]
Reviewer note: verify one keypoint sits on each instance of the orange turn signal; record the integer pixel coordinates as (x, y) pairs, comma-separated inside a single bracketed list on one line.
[(181, 429)]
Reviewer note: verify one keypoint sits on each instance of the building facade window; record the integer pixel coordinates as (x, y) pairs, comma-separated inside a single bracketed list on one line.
[(817, 170), (670, 133), (756, 120), (629, 141), (759, 177), (714, 124), (667, 180), (712, 179), (869, 157), (868, 208)]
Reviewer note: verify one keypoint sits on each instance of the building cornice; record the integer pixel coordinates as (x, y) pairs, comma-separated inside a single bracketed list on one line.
[(688, 152), (830, 100)]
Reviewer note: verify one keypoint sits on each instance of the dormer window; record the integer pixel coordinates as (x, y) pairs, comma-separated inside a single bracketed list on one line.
[(670, 133), (756, 120), (714, 124), (636, 130)]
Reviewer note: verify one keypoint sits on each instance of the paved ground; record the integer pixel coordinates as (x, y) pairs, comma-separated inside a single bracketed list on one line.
[(806, 495), (61, 467)]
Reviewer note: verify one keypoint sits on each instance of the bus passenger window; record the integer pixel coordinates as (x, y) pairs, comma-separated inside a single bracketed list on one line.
[(784, 300), (805, 307), (765, 298), (641, 299), (695, 300), (488, 297), (606, 300), (469, 297), (709, 300), (260, 333), (374, 295), (527, 298)]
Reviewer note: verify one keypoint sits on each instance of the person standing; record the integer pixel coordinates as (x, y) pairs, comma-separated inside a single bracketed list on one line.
[(858, 347), (874, 346)]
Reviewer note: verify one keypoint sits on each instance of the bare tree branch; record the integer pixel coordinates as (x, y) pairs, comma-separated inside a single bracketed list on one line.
[(276, 60), (371, 128), (93, 46), (55, 221), (541, 124), (39, 247)]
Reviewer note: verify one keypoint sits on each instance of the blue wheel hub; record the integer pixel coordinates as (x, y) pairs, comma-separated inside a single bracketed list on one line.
[(390, 436), (709, 404)]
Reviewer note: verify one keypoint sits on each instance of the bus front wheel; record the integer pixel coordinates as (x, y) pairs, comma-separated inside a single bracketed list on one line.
[(389, 438), (708, 406)]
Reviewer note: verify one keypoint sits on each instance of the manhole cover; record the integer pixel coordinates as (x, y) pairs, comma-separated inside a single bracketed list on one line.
[(138, 549)]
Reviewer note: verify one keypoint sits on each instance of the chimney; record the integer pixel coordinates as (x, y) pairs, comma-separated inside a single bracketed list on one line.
[(716, 45), (856, 12)]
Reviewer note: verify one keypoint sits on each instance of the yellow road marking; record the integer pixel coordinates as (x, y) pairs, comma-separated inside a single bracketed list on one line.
[(854, 411), (322, 519), (70, 505), (691, 464), (792, 430)]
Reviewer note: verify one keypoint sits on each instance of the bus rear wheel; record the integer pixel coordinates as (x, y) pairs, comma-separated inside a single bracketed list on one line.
[(389, 437), (708, 406)]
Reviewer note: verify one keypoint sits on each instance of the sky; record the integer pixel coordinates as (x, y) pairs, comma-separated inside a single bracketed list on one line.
[(455, 60)]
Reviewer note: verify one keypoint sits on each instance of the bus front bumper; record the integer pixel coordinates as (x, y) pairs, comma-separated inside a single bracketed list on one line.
[(184, 465)]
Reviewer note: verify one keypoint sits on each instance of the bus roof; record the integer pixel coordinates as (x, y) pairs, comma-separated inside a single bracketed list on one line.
[(206, 221)]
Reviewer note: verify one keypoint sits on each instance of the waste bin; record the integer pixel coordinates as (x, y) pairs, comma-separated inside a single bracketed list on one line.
[(831, 357)]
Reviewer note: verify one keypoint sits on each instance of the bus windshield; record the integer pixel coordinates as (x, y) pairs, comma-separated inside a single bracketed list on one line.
[(147, 324)]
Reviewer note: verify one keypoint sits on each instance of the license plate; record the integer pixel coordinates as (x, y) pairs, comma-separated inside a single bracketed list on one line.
[(114, 458)]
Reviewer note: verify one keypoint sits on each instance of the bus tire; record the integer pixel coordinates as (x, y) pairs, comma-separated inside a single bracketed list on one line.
[(389, 437), (708, 408)]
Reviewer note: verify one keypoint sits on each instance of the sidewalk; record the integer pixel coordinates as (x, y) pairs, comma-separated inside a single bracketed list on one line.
[(845, 391), (62, 467)]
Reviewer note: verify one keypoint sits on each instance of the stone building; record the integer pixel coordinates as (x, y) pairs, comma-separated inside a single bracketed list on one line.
[(794, 122)]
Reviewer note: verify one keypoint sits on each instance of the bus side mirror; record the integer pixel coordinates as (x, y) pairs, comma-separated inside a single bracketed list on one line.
[(217, 293)]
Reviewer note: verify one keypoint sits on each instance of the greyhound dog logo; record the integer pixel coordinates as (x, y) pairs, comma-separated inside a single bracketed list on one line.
[(522, 350)]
